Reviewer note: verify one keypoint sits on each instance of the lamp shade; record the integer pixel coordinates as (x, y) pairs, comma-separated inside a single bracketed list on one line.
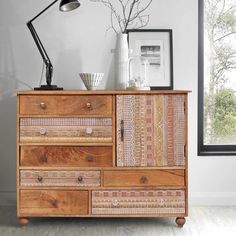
[(68, 5)]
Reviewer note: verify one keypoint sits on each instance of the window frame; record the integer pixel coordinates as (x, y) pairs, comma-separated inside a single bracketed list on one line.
[(206, 150)]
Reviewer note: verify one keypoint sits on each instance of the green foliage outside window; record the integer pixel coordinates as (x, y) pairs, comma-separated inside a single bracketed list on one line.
[(220, 72)]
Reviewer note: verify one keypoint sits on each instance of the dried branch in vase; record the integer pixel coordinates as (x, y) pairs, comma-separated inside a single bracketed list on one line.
[(126, 14)]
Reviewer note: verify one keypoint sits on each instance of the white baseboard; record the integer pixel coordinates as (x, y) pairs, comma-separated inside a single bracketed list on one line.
[(8, 198), (212, 198)]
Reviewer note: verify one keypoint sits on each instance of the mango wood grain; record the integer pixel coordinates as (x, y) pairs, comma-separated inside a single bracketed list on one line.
[(64, 116), (103, 188), (90, 202), (76, 200), (186, 153), (71, 140), (133, 178), (17, 156), (103, 92), (102, 168), (106, 216), (53, 202), (65, 105), (69, 156), (65, 144)]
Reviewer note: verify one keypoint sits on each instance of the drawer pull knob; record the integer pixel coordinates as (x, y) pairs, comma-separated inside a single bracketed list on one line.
[(43, 105), (80, 179), (42, 131), (43, 158), (40, 179), (89, 158), (143, 179), (89, 105), (54, 203), (115, 202), (161, 202), (89, 131)]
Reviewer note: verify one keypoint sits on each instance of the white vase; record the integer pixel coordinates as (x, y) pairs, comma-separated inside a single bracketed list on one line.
[(121, 61)]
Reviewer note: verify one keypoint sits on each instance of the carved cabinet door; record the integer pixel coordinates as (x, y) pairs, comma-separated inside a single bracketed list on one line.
[(151, 130)]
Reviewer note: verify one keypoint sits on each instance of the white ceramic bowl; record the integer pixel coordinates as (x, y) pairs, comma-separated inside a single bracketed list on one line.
[(91, 80)]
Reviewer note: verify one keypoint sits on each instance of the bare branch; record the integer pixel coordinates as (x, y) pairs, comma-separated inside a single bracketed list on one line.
[(131, 14), (110, 6), (230, 9), (112, 26), (123, 8), (142, 10), (224, 36), (144, 22)]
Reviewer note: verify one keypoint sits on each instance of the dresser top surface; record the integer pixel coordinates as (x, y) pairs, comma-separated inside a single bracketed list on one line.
[(100, 92)]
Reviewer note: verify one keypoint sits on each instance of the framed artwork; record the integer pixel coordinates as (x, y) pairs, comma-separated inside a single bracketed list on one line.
[(157, 46)]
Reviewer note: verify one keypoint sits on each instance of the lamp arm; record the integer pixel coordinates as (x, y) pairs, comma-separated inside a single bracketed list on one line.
[(45, 9), (46, 59)]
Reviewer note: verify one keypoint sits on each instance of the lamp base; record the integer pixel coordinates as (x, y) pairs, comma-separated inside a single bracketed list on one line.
[(48, 87)]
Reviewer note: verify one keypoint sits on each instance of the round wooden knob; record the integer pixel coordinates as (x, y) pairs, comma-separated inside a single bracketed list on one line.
[(43, 158), (42, 131), (143, 179), (80, 179), (40, 179), (89, 158), (88, 105), (115, 202), (43, 105), (89, 131)]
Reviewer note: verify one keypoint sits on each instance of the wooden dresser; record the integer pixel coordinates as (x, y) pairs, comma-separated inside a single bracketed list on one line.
[(102, 154)]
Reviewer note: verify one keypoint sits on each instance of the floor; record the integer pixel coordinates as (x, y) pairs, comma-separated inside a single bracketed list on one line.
[(202, 221)]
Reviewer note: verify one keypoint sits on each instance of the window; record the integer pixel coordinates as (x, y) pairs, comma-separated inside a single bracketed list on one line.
[(217, 77)]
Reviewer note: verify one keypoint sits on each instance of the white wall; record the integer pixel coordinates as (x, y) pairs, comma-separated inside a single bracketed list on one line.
[(76, 42)]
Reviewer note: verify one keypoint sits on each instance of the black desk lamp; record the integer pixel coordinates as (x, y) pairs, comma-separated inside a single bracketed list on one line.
[(65, 5)]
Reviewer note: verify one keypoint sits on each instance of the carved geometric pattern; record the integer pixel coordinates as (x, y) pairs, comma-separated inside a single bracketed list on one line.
[(66, 129), (154, 130), (138, 202), (59, 178), (66, 121)]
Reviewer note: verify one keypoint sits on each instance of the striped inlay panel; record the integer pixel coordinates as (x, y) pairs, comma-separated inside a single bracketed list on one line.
[(66, 129), (29, 178), (138, 202), (154, 130)]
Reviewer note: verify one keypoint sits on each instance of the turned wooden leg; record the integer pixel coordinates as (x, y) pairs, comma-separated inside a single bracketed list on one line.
[(180, 221), (23, 221)]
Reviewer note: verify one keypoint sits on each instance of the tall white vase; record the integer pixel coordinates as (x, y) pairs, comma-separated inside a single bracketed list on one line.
[(121, 61)]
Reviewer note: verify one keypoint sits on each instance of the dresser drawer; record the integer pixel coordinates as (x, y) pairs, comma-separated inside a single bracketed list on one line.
[(82, 130), (136, 178), (42, 178), (53, 202), (66, 105), (147, 202), (61, 156)]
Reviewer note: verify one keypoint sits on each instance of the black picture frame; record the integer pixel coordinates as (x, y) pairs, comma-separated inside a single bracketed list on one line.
[(203, 149), (170, 86)]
